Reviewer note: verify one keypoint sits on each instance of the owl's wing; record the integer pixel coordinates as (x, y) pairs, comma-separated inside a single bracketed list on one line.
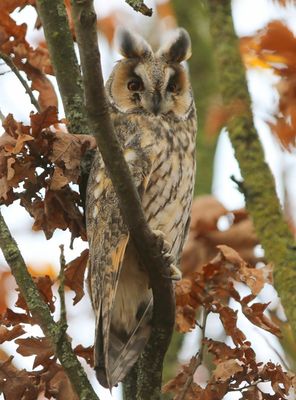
[(108, 239)]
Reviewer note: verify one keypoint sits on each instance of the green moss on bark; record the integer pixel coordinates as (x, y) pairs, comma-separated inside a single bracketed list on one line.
[(41, 313), (258, 185), (61, 48)]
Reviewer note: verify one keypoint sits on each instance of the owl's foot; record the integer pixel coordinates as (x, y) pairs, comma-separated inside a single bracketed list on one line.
[(174, 273)]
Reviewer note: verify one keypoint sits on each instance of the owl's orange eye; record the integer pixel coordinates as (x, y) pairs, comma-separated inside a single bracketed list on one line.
[(135, 85), (172, 87)]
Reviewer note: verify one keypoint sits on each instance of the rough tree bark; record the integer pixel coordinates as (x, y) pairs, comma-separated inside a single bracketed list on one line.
[(55, 332), (258, 184), (58, 36)]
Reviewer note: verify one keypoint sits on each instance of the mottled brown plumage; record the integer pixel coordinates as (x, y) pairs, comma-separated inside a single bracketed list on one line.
[(153, 113)]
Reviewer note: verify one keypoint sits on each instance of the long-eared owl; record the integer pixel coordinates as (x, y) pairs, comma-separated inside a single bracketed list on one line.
[(153, 113)]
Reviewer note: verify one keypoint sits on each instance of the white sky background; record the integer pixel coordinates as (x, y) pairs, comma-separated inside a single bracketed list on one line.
[(250, 15)]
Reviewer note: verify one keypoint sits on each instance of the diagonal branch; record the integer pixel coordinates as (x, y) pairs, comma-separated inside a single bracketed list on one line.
[(8, 61), (140, 6), (148, 247), (41, 313), (258, 186)]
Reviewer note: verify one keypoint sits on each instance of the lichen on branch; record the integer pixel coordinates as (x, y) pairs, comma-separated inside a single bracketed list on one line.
[(258, 185), (41, 313), (140, 6)]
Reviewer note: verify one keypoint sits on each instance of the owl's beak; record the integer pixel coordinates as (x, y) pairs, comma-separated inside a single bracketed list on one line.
[(156, 100)]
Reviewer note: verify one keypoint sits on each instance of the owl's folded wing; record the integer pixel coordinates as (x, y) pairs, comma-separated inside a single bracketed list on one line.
[(108, 238)]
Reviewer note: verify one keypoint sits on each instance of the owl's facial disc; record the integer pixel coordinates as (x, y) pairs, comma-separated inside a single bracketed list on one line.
[(159, 89)]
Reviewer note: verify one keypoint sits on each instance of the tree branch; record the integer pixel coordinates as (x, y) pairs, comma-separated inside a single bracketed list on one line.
[(60, 44), (41, 313), (259, 187), (149, 249), (140, 6), (8, 61)]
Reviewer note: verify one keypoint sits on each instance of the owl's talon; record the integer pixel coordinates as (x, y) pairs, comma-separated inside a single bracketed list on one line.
[(175, 273)]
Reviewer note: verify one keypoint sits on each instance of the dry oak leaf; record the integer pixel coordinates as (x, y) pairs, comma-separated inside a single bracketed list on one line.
[(43, 120), (17, 384), (39, 347), (74, 275), (85, 352), (229, 320), (280, 380), (254, 278), (255, 314), (226, 369), (60, 387), (185, 318), (176, 384), (10, 334)]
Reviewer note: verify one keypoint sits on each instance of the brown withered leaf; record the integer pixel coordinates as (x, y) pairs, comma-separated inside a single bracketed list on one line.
[(85, 352), (39, 347), (67, 151), (47, 95), (10, 334), (74, 275), (11, 317), (204, 234), (229, 320), (254, 278), (255, 314), (176, 384), (221, 351), (59, 209), (58, 180), (43, 120), (279, 379), (185, 318), (58, 385), (44, 285), (17, 384), (226, 369)]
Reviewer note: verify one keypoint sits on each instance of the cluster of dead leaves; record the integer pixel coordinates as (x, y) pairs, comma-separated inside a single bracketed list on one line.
[(204, 234), (37, 163), (35, 62), (47, 377), (275, 47), (236, 369)]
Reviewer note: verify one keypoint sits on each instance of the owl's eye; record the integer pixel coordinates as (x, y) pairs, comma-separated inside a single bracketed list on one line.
[(172, 87), (135, 85)]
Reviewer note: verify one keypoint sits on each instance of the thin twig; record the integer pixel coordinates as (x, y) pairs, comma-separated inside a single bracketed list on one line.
[(8, 60), (63, 315), (198, 358), (41, 313), (140, 6)]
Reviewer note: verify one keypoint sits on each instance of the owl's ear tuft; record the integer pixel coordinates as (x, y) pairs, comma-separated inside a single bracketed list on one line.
[(177, 49), (132, 45)]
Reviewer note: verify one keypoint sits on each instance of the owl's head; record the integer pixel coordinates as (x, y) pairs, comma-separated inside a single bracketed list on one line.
[(148, 82)]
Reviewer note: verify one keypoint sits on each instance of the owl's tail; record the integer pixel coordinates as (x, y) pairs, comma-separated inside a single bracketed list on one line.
[(123, 350)]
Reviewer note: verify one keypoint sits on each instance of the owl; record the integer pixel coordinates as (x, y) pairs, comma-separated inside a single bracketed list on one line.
[(153, 114)]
